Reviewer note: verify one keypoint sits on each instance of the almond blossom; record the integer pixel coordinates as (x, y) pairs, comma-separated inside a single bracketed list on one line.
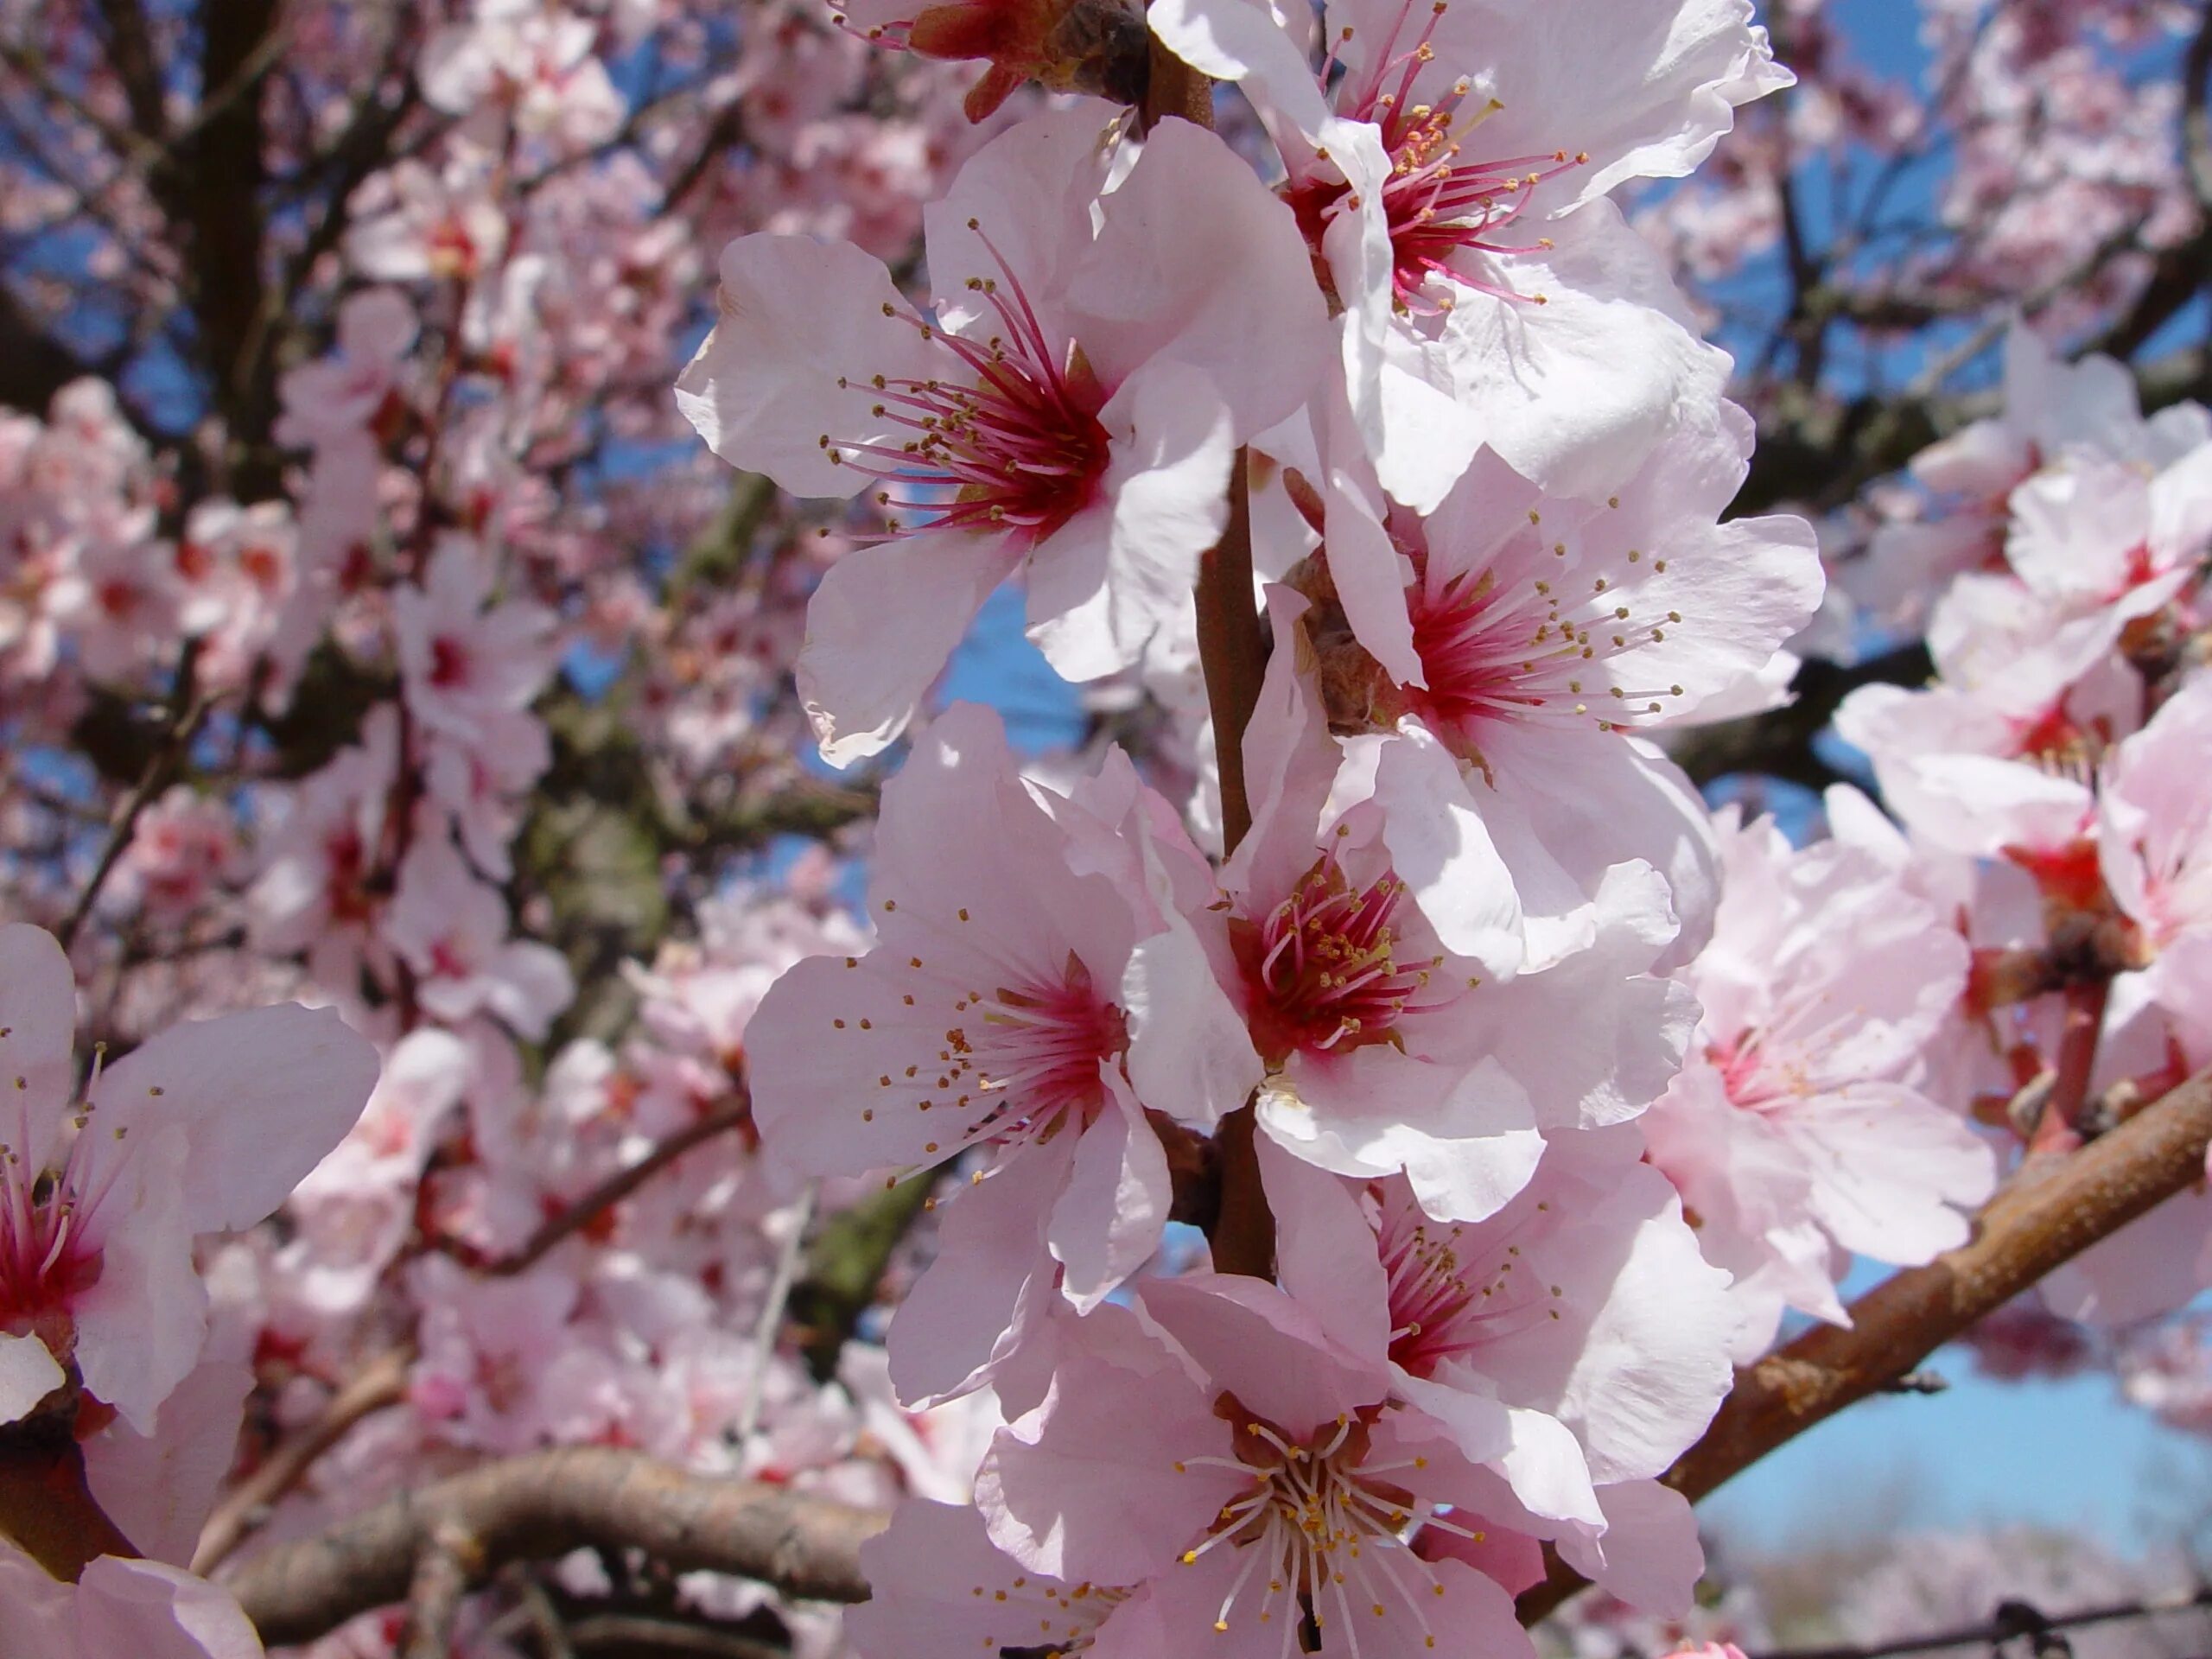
[(140, 1608), (205, 1129), (1070, 407), (464, 661), (1797, 1132), (1266, 1482), (1452, 183), (1385, 1050), (1501, 690), (1038, 985), (2154, 845), (1576, 1340)]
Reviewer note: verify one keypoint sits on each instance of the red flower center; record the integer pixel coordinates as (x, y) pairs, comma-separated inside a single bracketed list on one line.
[(1012, 436), (1438, 199), (1322, 970)]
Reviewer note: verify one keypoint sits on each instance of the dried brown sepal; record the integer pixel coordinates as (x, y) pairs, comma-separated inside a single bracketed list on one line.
[(1099, 47)]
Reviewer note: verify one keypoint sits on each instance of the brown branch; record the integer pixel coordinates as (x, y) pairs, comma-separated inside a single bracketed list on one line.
[(130, 53), (380, 1384), (2052, 1211), (541, 1506), (633, 1635), (448, 1562)]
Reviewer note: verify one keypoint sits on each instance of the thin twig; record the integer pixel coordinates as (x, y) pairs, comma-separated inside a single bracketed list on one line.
[(616, 1188), (381, 1383), (449, 1560), (189, 714), (543, 1618), (2059, 1127), (771, 1323), (2000, 1629)]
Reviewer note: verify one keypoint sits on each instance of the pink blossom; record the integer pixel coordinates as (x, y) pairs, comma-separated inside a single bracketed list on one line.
[(453, 932), (1386, 1050), (466, 661), (184, 846), (412, 223), (203, 1129), (1267, 1469), (1037, 985), (353, 1210), (1799, 1132), (1452, 186), (940, 1589), (529, 58), (1072, 408), (140, 1608), (1500, 691), (1575, 1339), (2154, 845)]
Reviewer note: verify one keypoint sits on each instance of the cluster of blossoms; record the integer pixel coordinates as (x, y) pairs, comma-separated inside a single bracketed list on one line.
[(1347, 1131), (2049, 784), (1487, 459), (354, 651)]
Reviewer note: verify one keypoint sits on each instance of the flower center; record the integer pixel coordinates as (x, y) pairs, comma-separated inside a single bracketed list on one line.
[(449, 663), (1013, 438), (1322, 968), (1036, 1053), (1777, 1061), (1453, 1290), (1438, 199), (1501, 644), (1325, 1534), (49, 1253)]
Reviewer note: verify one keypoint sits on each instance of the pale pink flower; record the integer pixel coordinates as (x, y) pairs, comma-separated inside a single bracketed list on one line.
[(1070, 406), (1265, 1466), (1500, 692), (159, 1487), (205, 1129), (236, 566), (313, 891), (143, 1609), (1575, 1339), (185, 845), (1386, 1050), (940, 1589), (465, 661), (334, 399), (479, 784), (120, 602), (454, 930), (1798, 1132), (2053, 411), (1998, 754), (352, 1211), (1452, 183), (413, 225), (1036, 986), (2154, 844), (531, 59)]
